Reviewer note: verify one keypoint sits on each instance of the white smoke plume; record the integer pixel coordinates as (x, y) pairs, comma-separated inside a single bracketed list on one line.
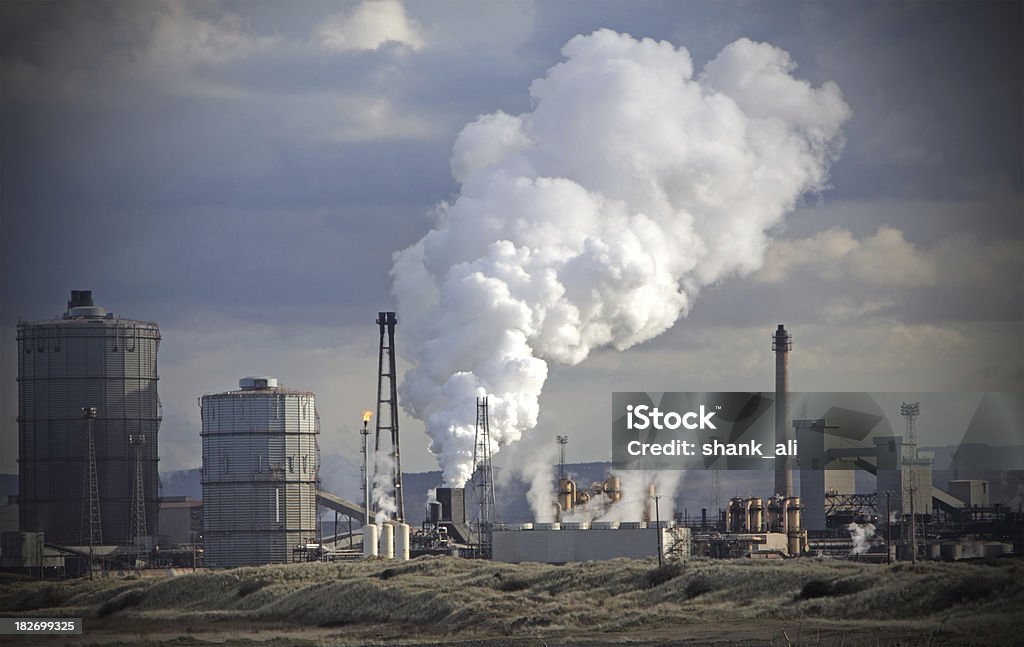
[(636, 499), (595, 218), (861, 535), (382, 493), (538, 473)]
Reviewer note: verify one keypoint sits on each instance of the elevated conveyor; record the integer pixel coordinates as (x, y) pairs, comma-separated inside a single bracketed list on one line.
[(343, 506)]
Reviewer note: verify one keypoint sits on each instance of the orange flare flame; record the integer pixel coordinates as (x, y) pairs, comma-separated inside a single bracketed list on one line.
[(367, 415)]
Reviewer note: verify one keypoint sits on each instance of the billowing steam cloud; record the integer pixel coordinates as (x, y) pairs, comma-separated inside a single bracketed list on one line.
[(861, 534), (594, 219)]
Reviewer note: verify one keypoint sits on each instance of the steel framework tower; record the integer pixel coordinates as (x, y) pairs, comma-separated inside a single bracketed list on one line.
[(138, 503), (92, 528), (387, 404), (485, 483)]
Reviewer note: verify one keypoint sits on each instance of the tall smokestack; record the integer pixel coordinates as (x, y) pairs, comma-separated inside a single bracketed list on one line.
[(782, 343)]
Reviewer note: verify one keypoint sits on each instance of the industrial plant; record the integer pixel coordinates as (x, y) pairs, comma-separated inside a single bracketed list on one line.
[(90, 500)]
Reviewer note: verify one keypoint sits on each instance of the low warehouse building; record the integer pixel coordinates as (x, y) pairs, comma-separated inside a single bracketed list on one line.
[(555, 543)]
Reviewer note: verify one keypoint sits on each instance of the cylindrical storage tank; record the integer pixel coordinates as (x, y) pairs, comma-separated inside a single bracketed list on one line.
[(756, 507), (951, 552), (774, 520), (88, 358), (793, 533), (261, 462), (566, 494), (996, 549), (745, 516), (370, 540), (386, 546), (613, 488), (402, 541), (793, 514), (735, 515)]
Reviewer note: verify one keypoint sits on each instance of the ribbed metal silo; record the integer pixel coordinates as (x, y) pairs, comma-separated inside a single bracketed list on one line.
[(261, 463), (87, 358)]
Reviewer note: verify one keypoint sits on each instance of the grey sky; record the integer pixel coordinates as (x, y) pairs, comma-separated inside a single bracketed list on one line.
[(242, 172)]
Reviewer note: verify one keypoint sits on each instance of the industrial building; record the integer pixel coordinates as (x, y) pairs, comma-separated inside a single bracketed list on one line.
[(261, 465), (88, 419), (181, 520), (559, 543)]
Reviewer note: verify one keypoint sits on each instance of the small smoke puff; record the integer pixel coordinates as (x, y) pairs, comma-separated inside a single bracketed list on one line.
[(861, 535), (594, 219)]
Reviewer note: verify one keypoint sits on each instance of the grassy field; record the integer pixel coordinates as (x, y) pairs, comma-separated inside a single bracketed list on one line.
[(435, 600)]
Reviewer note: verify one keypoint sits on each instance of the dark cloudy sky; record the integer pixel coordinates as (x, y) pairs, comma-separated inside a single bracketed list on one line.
[(242, 172)]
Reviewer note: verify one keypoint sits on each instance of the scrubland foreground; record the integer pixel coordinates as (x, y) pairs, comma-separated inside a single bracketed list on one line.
[(441, 600)]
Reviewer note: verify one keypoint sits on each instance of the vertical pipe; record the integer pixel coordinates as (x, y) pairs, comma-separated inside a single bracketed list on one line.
[(277, 505), (366, 475)]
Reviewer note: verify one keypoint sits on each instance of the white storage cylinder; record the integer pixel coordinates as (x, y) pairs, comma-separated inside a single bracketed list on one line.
[(370, 540), (387, 541), (402, 541)]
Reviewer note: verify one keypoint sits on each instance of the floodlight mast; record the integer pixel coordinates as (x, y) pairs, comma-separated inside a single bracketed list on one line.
[(910, 411)]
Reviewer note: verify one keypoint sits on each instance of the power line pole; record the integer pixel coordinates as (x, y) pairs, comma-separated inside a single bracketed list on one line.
[(888, 528), (657, 522), (92, 529)]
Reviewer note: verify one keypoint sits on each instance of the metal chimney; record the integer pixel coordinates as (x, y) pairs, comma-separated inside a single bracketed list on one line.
[(782, 343)]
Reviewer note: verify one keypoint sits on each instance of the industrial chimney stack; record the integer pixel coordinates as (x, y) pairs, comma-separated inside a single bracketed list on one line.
[(782, 343)]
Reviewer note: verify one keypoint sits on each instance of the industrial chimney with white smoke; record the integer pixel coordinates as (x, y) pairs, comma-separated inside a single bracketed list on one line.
[(595, 219)]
